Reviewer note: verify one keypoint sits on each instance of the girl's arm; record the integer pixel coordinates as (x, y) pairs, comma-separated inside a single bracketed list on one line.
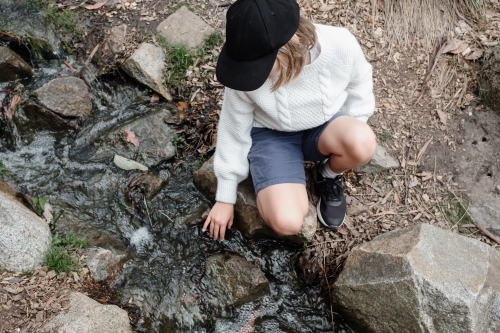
[(231, 158), (360, 102)]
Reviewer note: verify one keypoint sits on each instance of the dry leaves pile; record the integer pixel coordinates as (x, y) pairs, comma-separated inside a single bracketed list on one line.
[(29, 301)]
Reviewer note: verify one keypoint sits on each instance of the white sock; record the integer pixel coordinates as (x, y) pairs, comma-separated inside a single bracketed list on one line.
[(326, 171)]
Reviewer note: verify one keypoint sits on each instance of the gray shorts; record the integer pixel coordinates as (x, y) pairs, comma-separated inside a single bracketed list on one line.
[(278, 157)]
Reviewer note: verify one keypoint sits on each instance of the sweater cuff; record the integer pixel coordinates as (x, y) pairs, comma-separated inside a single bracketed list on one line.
[(226, 191)]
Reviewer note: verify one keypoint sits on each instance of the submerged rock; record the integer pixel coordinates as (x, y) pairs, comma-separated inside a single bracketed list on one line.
[(12, 66), (380, 161), (146, 65), (234, 281), (87, 316), (247, 217), (154, 136), (105, 264), (67, 96), (153, 185), (184, 27), (489, 80), (421, 279), (34, 116), (24, 237)]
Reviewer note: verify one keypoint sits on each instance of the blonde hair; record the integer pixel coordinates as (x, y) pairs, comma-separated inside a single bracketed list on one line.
[(293, 55)]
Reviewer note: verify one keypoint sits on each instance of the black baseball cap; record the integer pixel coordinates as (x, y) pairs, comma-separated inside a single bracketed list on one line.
[(255, 31)]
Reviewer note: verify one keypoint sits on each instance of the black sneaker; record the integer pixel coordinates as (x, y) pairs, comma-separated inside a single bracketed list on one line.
[(331, 207)]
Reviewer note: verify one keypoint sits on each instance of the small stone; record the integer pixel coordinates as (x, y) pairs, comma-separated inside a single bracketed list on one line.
[(425, 197), (498, 188), (117, 38), (51, 274), (378, 33), (380, 161)]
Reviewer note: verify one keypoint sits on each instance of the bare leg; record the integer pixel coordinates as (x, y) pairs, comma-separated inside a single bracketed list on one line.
[(349, 143), (283, 207)]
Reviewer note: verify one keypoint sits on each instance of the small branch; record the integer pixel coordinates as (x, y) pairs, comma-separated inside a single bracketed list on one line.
[(147, 211)]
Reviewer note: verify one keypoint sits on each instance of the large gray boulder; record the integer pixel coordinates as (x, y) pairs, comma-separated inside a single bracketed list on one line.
[(12, 66), (232, 281), (247, 217), (184, 27), (154, 136), (421, 279), (146, 65), (87, 316), (24, 237), (67, 96), (489, 80)]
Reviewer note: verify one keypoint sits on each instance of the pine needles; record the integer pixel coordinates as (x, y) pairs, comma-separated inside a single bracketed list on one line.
[(428, 19)]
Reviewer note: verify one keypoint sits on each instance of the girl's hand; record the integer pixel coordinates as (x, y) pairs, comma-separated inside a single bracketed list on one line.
[(221, 216)]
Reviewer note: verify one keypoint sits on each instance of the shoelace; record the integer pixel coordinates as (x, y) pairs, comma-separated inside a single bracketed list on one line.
[(331, 188)]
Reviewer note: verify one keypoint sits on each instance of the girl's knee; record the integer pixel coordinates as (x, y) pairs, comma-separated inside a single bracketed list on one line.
[(286, 224), (362, 143)]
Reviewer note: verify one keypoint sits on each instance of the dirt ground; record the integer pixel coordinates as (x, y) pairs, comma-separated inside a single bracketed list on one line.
[(430, 120)]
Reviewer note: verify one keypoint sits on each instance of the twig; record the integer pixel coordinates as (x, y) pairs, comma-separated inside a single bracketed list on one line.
[(70, 67), (328, 284), (327, 242), (147, 211), (168, 217), (480, 227)]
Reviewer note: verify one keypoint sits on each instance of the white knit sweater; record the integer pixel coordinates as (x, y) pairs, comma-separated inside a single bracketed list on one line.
[(340, 79)]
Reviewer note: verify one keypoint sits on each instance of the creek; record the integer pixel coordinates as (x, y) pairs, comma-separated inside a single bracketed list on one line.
[(165, 276)]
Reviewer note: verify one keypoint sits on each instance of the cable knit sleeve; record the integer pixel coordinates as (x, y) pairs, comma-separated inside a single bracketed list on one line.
[(233, 144), (360, 102)]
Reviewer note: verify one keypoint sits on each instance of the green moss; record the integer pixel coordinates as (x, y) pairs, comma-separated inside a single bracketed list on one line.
[(455, 212), (3, 170)]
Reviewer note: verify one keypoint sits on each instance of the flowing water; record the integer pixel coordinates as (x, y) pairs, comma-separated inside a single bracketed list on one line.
[(165, 278)]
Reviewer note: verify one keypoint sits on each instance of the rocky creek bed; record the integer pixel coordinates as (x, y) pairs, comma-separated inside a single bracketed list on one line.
[(64, 118)]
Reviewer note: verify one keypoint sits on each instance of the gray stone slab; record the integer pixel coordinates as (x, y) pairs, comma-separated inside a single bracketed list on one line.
[(184, 27), (12, 66)]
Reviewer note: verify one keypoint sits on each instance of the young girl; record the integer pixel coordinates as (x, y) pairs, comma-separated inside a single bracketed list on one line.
[(294, 91)]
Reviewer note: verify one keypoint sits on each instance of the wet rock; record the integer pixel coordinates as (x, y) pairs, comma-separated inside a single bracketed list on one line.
[(105, 265), (36, 117), (12, 66), (153, 185), (87, 316), (24, 237), (146, 65), (155, 140), (489, 80), (247, 217), (380, 161), (31, 26), (184, 27), (421, 279), (233, 280), (67, 96)]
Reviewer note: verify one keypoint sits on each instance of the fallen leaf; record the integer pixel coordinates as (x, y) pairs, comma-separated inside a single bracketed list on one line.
[(476, 54), (130, 137), (442, 116), (181, 107), (452, 45), (97, 5), (155, 99), (126, 164), (12, 106), (460, 49)]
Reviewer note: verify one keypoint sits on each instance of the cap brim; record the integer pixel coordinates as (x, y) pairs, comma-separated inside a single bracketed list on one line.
[(244, 75)]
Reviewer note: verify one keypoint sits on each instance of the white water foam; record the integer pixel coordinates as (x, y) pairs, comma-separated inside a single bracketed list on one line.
[(141, 238)]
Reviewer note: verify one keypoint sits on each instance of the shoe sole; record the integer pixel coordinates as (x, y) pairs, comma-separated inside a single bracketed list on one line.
[(323, 222)]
